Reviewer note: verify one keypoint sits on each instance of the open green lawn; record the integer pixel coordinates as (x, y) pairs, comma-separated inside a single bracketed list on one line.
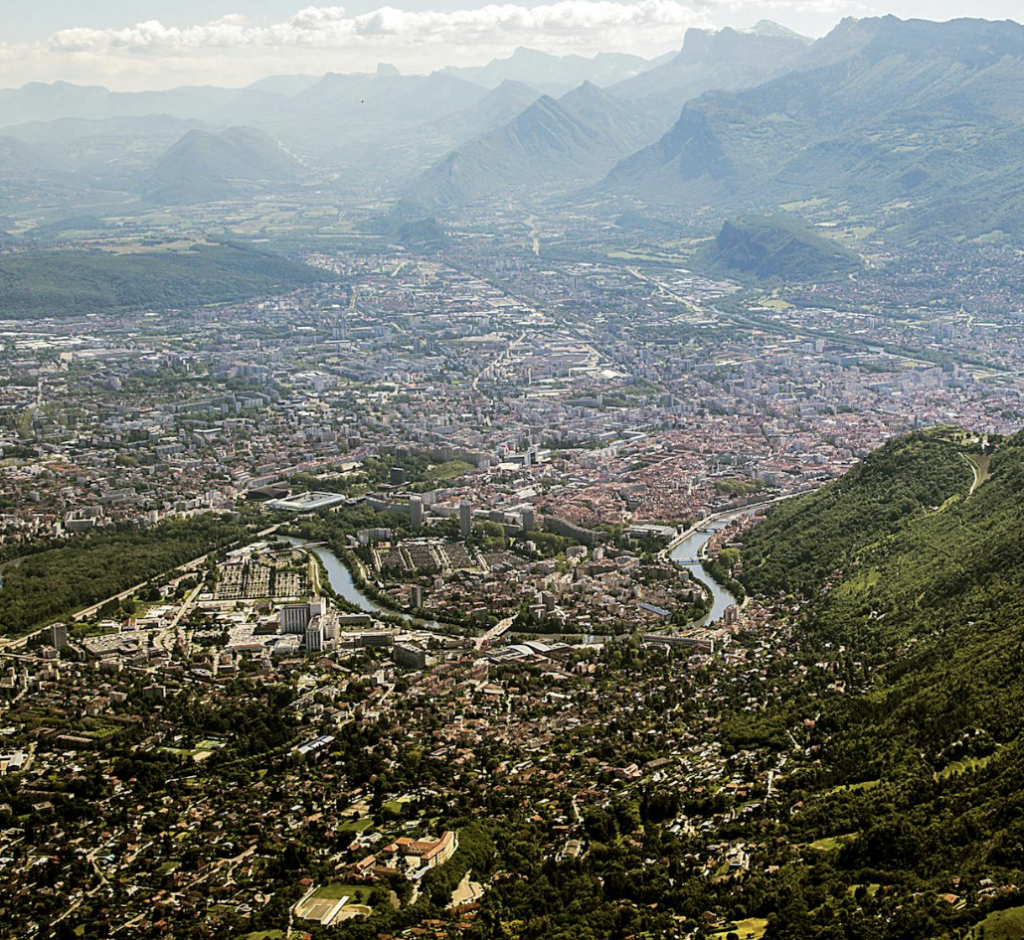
[(831, 843), (356, 825), (752, 928), (356, 893), (449, 470), (1001, 925)]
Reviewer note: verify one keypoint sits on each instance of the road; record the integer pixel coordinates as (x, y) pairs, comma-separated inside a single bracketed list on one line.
[(497, 361), (497, 630), (165, 639)]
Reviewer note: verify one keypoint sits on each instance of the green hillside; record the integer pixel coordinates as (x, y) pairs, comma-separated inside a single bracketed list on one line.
[(567, 142), (766, 248), (914, 589), (73, 283), (204, 167), (917, 124)]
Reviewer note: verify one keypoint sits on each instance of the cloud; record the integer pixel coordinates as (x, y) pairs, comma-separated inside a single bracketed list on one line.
[(330, 27), (322, 38)]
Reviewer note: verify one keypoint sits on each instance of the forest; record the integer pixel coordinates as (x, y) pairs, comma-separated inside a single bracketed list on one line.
[(918, 581), (44, 586)]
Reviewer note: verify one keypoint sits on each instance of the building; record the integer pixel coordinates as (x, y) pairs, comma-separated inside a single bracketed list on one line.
[(307, 502), (416, 511), (431, 854), (409, 656), (314, 635), (294, 618), (58, 635), (465, 519), (529, 517), (330, 625)]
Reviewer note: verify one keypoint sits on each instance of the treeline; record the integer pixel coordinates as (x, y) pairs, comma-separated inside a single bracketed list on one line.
[(925, 769), (804, 541), (48, 585), (41, 283)]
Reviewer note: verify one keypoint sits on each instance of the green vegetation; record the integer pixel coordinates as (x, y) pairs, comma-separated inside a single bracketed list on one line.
[(358, 894), (927, 766), (804, 541), (56, 582), (1001, 925), (767, 248), (42, 283)]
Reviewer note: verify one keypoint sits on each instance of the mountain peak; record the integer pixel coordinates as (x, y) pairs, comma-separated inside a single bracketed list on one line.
[(773, 29)]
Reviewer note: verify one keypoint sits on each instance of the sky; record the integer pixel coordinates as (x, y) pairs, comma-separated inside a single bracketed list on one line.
[(149, 44)]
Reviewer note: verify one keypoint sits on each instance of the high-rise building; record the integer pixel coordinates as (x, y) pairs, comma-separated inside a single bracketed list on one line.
[(58, 635), (314, 635), (416, 511), (465, 519), (294, 618), (529, 515)]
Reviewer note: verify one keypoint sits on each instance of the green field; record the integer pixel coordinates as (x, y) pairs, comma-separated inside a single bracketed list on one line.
[(1001, 925), (831, 843), (752, 928), (356, 825), (357, 894)]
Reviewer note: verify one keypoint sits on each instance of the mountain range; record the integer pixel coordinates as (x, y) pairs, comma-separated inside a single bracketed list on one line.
[(205, 167), (715, 59), (554, 75), (916, 127), (919, 121), (568, 141)]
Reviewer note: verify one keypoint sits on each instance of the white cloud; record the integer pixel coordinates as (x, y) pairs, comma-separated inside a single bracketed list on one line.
[(330, 27), (233, 49)]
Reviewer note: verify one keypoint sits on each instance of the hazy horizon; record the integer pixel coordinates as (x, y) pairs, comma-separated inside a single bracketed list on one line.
[(159, 45)]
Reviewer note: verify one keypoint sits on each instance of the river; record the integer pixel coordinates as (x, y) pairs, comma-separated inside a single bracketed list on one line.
[(340, 579), (687, 554), (339, 576)]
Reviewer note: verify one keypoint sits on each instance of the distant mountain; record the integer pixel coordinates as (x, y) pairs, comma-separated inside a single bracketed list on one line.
[(564, 142), (37, 101), (204, 167), (496, 108), (286, 85), (385, 99), (919, 123), (765, 248), (105, 152), (41, 282), (421, 235), (552, 74), (18, 159), (26, 174), (725, 59)]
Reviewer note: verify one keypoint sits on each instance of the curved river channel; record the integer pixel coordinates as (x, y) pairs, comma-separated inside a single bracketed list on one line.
[(686, 554)]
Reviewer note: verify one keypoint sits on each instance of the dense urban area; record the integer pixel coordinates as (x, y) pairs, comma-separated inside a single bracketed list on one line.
[(516, 564)]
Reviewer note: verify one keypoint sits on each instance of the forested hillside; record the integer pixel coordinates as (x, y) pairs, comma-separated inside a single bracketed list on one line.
[(805, 540), (41, 283), (913, 588)]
